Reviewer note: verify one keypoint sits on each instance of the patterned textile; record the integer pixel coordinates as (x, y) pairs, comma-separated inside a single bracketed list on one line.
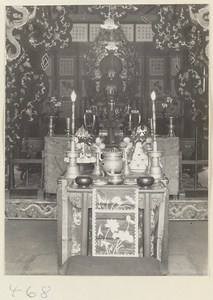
[(186, 27), (30, 33), (115, 221)]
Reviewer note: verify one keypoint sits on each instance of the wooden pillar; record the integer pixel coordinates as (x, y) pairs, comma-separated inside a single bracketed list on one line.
[(84, 223), (147, 227)]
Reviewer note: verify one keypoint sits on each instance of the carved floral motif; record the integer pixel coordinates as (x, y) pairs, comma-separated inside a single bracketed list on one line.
[(76, 217), (75, 199), (156, 199)]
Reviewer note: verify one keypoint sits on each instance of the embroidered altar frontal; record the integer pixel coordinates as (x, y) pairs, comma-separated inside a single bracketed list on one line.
[(115, 221)]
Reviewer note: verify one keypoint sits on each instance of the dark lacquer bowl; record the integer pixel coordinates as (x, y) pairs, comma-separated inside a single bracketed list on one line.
[(83, 181), (145, 181)]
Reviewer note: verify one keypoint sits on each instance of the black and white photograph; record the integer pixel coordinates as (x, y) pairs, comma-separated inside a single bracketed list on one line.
[(106, 149)]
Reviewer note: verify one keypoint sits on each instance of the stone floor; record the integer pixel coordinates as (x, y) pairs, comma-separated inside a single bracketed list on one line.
[(31, 248)]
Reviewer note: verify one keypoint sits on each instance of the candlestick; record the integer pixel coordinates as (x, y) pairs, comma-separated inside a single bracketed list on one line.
[(155, 147), (68, 123), (51, 120), (72, 145), (73, 98)]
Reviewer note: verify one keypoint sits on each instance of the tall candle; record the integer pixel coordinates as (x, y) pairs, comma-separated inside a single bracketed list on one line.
[(151, 125), (153, 97), (73, 99)]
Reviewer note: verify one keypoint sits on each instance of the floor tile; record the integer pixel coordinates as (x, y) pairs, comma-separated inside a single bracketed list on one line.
[(31, 247), (14, 268), (180, 265), (43, 265)]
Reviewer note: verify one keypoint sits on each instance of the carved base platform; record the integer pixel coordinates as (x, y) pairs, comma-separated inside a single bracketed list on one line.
[(179, 210), (188, 210), (30, 209)]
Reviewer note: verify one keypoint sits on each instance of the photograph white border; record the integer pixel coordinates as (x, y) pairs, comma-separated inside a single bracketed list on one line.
[(121, 288)]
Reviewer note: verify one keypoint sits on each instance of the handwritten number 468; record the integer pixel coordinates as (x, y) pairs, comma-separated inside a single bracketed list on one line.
[(30, 294), (45, 290)]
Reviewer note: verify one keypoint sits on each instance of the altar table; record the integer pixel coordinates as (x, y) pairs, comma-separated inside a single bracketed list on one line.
[(55, 166), (74, 207)]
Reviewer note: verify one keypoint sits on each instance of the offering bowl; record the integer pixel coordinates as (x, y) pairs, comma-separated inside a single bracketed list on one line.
[(83, 181), (145, 181)]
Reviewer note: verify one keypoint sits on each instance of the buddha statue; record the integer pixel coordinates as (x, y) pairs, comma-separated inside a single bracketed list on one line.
[(111, 86), (111, 83)]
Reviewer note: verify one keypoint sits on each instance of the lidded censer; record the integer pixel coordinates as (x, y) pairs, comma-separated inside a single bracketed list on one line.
[(112, 161)]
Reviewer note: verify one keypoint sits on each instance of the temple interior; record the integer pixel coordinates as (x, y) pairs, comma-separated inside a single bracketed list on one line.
[(106, 139)]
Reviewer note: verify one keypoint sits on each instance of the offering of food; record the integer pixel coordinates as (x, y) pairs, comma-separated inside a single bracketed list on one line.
[(99, 181), (98, 145), (130, 181), (127, 140)]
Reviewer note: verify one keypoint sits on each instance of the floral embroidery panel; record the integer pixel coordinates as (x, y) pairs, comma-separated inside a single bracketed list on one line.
[(115, 221)]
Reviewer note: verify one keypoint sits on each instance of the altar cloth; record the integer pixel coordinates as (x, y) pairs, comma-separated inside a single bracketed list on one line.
[(75, 223)]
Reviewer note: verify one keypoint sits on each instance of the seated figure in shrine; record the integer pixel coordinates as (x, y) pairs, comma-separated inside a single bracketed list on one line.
[(110, 86), (109, 108), (113, 82)]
